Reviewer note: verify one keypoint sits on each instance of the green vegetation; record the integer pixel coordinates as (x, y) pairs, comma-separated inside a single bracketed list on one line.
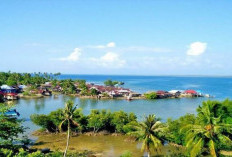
[(208, 133), (1, 98), (36, 82), (96, 121), (10, 128), (174, 134), (27, 92), (74, 86), (112, 83), (68, 86), (150, 95), (126, 154), (150, 132), (93, 92), (13, 79), (24, 153), (68, 113)]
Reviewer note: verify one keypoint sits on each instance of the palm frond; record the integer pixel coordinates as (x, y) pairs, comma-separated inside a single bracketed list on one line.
[(225, 139), (212, 148), (197, 148), (74, 122), (144, 145), (156, 141), (60, 126)]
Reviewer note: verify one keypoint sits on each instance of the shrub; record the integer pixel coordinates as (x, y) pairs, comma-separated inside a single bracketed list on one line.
[(151, 95), (126, 154)]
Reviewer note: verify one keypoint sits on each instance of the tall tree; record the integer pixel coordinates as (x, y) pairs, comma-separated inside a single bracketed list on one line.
[(68, 112), (204, 136), (10, 128), (150, 132)]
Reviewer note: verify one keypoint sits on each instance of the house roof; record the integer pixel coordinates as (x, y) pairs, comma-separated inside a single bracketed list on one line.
[(175, 91), (6, 87), (190, 91), (161, 92), (108, 89), (11, 94), (22, 86)]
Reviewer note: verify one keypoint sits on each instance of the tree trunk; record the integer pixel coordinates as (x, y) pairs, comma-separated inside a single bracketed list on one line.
[(68, 137)]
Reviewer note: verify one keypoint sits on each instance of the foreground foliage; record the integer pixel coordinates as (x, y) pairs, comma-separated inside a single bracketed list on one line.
[(68, 113), (150, 132), (208, 132), (10, 128), (96, 121), (23, 153)]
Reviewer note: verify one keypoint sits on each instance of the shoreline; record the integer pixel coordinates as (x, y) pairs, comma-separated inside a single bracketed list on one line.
[(102, 98)]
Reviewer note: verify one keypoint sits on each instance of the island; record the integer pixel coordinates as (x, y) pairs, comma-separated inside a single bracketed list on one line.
[(37, 85)]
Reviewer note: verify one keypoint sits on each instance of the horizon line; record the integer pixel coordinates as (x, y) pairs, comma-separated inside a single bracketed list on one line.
[(146, 75), (177, 75)]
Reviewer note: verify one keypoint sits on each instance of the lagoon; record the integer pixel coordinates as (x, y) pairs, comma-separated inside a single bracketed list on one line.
[(220, 87)]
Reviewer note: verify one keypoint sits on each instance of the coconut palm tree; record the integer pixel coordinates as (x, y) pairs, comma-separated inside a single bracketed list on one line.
[(68, 112), (150, 133), (208, 132)]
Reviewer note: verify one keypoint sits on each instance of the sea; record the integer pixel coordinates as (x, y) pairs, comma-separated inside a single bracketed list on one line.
[(219, 88)]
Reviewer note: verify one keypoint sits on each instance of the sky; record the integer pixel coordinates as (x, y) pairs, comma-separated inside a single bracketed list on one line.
[(117, 37)]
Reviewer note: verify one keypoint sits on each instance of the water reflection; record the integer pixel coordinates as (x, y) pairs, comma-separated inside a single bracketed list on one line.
[(39, 104), (163, 108)]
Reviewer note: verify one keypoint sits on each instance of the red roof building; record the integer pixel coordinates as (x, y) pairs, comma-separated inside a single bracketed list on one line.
[(160, 92), (190, 91)]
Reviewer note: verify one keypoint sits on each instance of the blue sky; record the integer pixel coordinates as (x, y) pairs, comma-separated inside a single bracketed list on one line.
[(124, 37)]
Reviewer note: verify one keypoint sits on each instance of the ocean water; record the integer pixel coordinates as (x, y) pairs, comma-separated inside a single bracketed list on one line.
[(219, 87)]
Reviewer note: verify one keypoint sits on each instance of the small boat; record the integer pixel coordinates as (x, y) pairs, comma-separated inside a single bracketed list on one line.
[(12, 113), (129, 98)]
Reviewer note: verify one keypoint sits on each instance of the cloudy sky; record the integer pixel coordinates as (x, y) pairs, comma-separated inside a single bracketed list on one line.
[(122, 37)]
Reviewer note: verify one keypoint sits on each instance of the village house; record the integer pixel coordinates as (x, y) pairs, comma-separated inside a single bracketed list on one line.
[(44, 89), (22, 88), (9, 93), (163, 94), (190, 93), (57, 88), (111, 91), (176, 93)]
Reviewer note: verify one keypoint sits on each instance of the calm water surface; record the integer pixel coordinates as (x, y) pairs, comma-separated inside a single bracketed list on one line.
[(220, 87)]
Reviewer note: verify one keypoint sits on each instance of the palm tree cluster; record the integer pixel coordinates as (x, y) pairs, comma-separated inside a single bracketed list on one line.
[(207, 133), (150, 132), (68, 112), (210, 131)]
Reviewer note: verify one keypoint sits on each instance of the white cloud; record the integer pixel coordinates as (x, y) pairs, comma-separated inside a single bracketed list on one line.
[(109, 45), (196, 48), (110, 60), (74, 56)]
